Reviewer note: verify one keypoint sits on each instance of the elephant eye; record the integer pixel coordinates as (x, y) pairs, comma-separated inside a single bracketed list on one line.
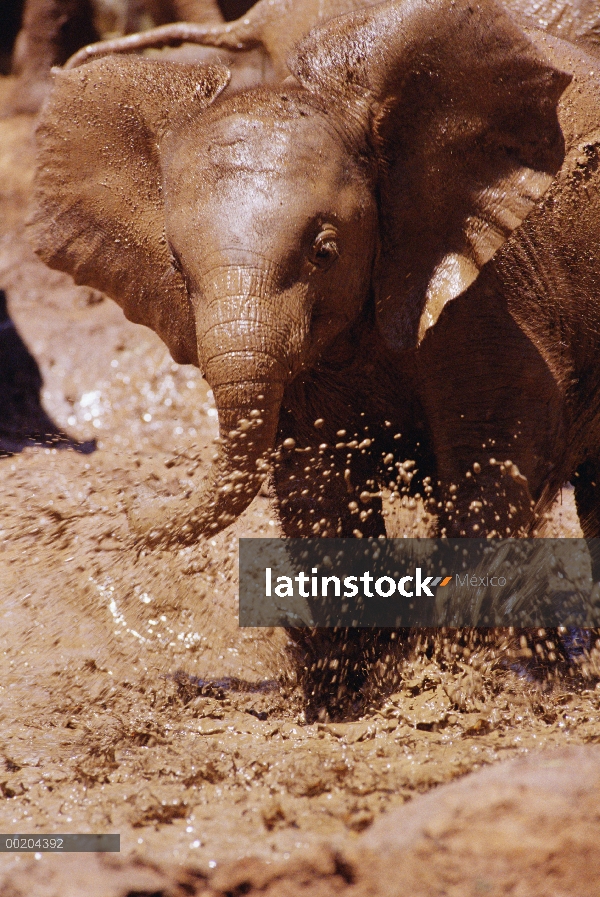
[(325, 249)]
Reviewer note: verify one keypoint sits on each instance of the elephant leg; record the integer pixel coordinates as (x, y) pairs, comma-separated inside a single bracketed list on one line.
[(332, 493), (11, 13), (496, 414), (489, 499), (323, 493), (52, 31), (316, 497)]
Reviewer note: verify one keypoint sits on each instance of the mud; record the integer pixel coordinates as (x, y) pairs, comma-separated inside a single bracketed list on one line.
[(130, 700)]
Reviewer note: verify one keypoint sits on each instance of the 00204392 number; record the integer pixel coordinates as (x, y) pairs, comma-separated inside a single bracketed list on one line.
[(36, 843)]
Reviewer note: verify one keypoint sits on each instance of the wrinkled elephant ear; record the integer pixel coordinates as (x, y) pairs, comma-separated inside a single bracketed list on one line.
[(98, 211), (460, 109)]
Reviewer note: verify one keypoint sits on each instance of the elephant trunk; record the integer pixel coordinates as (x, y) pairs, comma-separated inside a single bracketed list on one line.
[(247, 433), (248, 378)]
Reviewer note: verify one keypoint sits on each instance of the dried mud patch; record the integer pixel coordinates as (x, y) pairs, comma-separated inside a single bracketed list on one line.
[(130, 700)]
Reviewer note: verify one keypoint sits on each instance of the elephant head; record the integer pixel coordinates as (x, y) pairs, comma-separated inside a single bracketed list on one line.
[(253, 231)]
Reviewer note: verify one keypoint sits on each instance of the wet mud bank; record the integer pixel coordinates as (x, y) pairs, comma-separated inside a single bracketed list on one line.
[(131, 702)]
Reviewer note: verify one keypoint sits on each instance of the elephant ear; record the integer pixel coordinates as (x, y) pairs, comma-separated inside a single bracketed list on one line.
[(98, 212), (460, 111)]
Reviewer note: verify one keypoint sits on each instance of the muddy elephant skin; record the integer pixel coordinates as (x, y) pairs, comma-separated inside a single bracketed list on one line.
[(390, 256)]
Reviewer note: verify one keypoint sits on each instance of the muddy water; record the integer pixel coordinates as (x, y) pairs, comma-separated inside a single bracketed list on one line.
[(130, 701)]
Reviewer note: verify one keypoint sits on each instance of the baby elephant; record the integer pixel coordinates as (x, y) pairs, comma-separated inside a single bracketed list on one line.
[(392, 254)]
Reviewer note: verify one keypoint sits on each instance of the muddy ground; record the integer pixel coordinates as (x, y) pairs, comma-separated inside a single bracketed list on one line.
[(130, 701)]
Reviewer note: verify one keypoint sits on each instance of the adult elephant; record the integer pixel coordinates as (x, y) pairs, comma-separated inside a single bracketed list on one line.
[(392, 255)]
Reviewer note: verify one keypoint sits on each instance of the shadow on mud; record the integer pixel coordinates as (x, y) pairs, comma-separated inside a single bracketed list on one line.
[(23, 421)]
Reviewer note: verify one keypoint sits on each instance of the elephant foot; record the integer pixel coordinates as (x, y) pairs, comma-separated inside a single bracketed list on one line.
[(341, 671)]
